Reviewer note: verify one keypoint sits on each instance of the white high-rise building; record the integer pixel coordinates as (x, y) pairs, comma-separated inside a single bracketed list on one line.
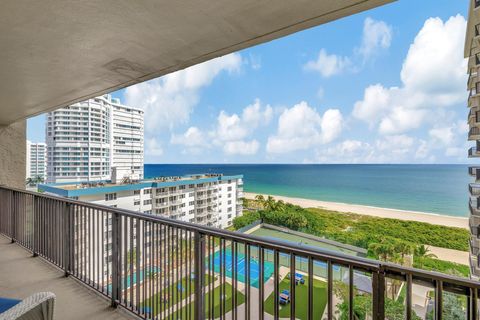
[(36, 160), (88, 140)]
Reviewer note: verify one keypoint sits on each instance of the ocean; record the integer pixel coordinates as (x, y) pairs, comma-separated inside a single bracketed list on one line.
[(440, 189)]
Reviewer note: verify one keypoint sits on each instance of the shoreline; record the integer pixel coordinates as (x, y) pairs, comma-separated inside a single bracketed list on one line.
[(449, 221)]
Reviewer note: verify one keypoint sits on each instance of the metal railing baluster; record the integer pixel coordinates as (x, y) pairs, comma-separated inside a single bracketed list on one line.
[(116, 251)]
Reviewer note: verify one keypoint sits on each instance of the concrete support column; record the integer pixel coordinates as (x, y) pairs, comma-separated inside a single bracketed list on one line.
[(13, 154)]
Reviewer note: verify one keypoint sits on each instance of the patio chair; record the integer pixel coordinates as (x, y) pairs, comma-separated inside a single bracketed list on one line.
[(38, 306)]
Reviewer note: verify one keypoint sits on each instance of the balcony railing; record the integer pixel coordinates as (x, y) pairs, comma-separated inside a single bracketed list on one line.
[(473, 133), (161, 268)]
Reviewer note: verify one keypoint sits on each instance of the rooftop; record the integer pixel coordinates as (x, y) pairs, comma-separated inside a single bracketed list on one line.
[(84, 188)]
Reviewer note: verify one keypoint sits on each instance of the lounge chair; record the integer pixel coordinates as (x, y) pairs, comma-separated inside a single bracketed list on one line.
[(284, 297), (38, 306)]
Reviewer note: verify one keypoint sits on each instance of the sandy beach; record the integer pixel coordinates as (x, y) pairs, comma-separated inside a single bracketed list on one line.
[(374, 211)]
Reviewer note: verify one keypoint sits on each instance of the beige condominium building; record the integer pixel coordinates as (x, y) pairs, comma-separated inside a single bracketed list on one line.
[(472, 52)]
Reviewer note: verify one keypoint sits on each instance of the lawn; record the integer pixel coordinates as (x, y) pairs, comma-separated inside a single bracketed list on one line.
[(182, 314), (156, 300), (301, 299)]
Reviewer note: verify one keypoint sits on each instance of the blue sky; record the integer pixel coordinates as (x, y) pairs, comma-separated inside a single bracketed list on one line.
[(384, 86)]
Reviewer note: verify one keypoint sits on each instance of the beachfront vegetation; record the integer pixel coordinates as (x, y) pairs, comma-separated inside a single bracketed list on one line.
[(385, 239), (362, 304), (443, 266), (453, 307)]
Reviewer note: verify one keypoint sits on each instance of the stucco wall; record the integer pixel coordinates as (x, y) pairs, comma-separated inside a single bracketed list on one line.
[(13, 154)]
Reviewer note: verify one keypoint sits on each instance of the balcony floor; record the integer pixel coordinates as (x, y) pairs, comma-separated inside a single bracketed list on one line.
[(22, 275)]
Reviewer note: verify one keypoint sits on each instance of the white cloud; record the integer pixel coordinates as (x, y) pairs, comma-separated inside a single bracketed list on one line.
[(235, 127), (433, 77), (302, 127), (375, 102), (348, 151), (153, 147), (328, 65), (241, 147), (456, 152), (233, 130), (388, 149), (422, 150), (377, 35), (443, 135), (255, 61), (169, 100), (193, 137), (231, 133), (401, 119), (397, 145)]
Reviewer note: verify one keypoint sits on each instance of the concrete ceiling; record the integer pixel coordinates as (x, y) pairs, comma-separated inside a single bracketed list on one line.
[(56, 52)]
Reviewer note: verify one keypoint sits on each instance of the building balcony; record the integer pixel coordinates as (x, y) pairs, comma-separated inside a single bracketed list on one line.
[(161, 204), (142, 268), (474, 134), (474, 206), (474, 189), (474, 223), (474, 172), (175, 202), (473, 152)]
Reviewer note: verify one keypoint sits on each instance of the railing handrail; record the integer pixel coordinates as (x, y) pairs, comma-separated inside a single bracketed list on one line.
[(367, 264), (339, 258)]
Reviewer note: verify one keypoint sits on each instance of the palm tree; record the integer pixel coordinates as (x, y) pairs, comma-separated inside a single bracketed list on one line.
[(381, 250), (29, 182), (270, 204), (423, 251), (260, 200), (39, 179)]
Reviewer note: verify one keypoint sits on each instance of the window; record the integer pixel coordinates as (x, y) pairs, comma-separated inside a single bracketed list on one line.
[(147, 191), (110, 196), (229, 188), (136, 203), (146, 202), (229, 209), (136, 192), (229, 195), (229, 201), (182, 187)]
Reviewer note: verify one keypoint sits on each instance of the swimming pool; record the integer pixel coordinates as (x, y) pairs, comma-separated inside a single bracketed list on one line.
[(241, 264)]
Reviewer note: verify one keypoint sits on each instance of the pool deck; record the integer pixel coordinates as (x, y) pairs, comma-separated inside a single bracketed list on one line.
[(22, 275)]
